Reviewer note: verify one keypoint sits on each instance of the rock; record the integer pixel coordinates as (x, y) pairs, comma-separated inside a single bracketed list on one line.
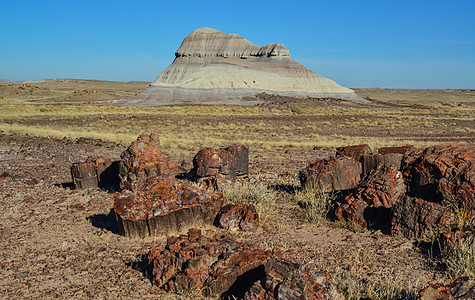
[(336, 174), (371, 201), (84, 175), (356, 151), (212, 67), (370, 162), (417, 218), (435, 291), (286, 280), (144, 160), (399, 150), (4, 175), (221, 267), (444, 174), (462, 288), (238, 216), (211, 265), (164, 207), (231, 162), (457, 236)]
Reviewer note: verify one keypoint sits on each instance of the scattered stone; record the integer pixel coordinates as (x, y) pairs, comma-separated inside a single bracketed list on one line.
[(144, 160), (84, 175), (417, 218), (444, 174), (4, 175), (462, 288), (164, 207), (355, 151), (231, 162), (238, 216), (370, 203), (336, 174)]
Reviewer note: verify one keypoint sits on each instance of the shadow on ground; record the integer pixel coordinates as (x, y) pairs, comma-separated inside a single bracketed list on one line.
[(103, 221)]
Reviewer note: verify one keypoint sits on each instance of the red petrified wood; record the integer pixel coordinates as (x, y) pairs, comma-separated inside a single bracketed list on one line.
[(416, 218), (164, 207), (144, 160), (355, 151), (84, 175), (376, 193), (444, 174), (238, 216), (461, 288), (336, 174), (221, 266), (231, 162)]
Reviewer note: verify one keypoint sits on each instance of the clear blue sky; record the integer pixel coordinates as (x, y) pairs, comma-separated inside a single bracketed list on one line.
[(383, 43)]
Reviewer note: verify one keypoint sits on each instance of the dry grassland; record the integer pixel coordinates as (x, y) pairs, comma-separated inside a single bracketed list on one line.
[(50, 245)]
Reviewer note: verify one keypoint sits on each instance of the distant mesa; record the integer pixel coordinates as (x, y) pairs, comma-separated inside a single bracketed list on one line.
[(212, 67)]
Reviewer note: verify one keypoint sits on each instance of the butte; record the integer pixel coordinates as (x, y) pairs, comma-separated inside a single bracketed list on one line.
[(212, 67)]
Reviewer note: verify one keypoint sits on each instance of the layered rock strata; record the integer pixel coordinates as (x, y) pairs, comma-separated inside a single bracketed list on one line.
[(212, 67)]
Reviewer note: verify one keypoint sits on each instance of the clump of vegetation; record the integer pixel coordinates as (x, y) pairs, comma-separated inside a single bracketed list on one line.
[(256, 194), (459, 258), (317, 205)]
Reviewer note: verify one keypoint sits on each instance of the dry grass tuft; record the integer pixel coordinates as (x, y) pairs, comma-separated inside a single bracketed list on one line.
[(459, 258), (316, 204)]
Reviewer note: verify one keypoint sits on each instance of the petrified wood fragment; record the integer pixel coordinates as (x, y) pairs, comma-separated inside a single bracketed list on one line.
[(370, 162), (164, 207), (355, 151), (231, 162), (336, 174), (417, 218), (144, 160), (287, 280), (84, 175), (462, 288), (238, 216), (221, 266), (400, 149), (371, 201), (444, 174)]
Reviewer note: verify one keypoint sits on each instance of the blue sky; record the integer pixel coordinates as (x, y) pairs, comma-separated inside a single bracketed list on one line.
[(360, 43)]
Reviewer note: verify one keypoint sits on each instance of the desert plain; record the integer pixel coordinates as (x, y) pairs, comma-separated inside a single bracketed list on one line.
[(61, 242)]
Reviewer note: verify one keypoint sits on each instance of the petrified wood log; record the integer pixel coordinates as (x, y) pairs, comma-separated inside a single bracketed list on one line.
[(417, 218), (144, 160), (231, 162), (287, 280), (444, 174), (84, 175), (221, 266), (371, 201), (164, 207), (355, 151), (370, 162), (336, 174), (400, 149)]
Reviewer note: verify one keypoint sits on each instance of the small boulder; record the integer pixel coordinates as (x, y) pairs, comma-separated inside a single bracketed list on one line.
[(371, 201), (462, 288), (231, 162), (444, 174), (417, 218), (238, 216), (336, 174), (144, 160)]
